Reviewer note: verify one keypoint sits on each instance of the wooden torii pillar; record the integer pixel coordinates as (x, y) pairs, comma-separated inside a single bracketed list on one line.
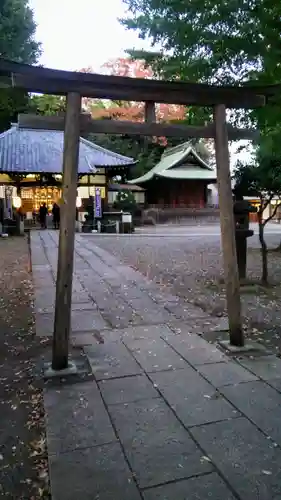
[(62, 324), (231, 274)]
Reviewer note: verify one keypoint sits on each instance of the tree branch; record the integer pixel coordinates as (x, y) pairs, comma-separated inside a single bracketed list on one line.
[(267, 202), (271, 216)]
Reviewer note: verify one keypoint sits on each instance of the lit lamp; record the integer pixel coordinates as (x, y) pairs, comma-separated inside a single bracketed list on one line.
[(16, 201), (78, 202)]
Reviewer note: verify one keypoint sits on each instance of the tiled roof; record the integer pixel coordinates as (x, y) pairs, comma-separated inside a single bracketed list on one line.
[(35, 151), (180, 162)]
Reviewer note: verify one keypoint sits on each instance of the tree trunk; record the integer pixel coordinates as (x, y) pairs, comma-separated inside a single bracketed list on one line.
[(264, 277)]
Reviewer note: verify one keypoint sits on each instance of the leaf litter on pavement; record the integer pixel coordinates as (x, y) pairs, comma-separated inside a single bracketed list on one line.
[(23, 460)]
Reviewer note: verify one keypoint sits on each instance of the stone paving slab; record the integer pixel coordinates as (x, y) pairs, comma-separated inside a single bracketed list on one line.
[(98, 473), (197, 326), (76, 418), (244, 456), (44, 296), (127, 389), (127, 291), (185, 312), (120, 316), (265, 367), (260, 403), (44, 324), (276, 383), (163, 297), (138, 332), (230, 373), (155, 317), (192, 398), (111, 361), (209, 486), (82, 339), (102, 296), (154, 355), (43, 279), (90, 320), (195, 350), (158, 448), (80, 320), (87, 306)]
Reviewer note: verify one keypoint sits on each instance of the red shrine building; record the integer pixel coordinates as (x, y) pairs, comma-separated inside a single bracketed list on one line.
[(179, 180)]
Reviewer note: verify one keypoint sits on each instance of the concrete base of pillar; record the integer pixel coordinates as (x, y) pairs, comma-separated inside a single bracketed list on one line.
[(70, 370), (249, 347)]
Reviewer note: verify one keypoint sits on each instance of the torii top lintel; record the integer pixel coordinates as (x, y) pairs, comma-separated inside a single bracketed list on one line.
[(50, 81)]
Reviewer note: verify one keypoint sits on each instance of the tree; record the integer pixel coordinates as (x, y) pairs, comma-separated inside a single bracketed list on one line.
[(211, 41), (147, 152), (131, 110), (12, 102), (17, 30), (125, 202), (262, 179), (46, 104), (17, 43)]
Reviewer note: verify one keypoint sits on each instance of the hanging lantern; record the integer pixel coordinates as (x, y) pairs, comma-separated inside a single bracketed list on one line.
[(16, 201)]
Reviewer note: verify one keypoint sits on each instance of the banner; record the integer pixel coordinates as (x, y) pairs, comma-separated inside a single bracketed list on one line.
[(98, 208)]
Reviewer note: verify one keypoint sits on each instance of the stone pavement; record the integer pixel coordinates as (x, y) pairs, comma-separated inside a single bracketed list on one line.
[(166, 415)]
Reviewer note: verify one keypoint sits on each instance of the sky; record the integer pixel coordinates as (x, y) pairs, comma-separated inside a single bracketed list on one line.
[(87, 33), (78, 34)]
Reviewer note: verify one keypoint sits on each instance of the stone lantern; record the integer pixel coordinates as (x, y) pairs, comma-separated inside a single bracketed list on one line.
[(242, 208)]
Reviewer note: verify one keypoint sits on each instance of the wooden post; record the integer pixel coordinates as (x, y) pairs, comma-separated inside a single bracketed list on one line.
[(227, 228), (149, 117), (67, 233), (150, 112)]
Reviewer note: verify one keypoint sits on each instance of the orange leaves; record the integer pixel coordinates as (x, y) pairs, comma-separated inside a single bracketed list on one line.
[(130, 110)]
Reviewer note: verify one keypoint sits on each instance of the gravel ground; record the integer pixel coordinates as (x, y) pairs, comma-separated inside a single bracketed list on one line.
[(23, 459), (192, 269)]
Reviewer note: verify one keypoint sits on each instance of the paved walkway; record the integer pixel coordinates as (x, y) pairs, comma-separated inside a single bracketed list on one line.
[(166, 416)]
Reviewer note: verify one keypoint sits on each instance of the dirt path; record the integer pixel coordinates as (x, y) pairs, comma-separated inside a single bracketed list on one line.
[(23, 463)]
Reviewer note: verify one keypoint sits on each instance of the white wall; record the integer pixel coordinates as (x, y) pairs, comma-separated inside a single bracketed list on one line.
[(213, 198)]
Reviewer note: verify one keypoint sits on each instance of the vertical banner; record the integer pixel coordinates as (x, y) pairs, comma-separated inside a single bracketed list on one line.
[(98, 210)]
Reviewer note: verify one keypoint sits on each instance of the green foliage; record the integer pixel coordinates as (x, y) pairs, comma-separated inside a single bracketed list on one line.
[(125, 201), (47, 104), (213, 41), (261, 180), (262, 177), (146, 152), (17, 30), (17, 43), (12, 102), (210, 40)]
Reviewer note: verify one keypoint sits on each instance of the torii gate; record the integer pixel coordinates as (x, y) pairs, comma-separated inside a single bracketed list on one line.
[(77, 85)]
